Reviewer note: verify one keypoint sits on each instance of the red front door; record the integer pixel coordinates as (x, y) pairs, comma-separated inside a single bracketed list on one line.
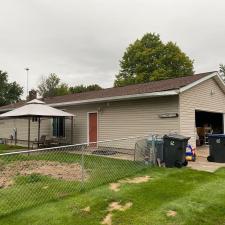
[(93, 128)]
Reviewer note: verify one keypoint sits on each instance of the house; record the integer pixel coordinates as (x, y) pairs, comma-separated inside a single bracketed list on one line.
[(182, 105)]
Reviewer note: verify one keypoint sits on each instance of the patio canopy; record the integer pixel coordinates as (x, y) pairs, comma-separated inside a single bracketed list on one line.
[(37, 108)]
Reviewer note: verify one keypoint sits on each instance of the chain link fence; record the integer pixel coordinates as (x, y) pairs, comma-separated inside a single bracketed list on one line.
[(33, 177)]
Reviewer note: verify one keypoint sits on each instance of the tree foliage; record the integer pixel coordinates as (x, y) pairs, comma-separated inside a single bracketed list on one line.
[(51, 86), (9, 92), (222, 71), (150, 59), (83, 88)]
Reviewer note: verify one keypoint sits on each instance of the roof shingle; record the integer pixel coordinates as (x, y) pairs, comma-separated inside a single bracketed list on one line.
[(154, 86)]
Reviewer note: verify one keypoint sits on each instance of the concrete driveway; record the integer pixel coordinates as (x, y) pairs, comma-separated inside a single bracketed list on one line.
[(201, 162)]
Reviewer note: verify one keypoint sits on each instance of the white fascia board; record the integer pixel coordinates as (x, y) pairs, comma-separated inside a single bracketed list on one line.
[(117, 98), (220, 82), (189, 86)]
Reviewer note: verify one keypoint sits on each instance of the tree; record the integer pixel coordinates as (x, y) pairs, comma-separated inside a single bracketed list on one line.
[(150, 59), (222, 71), (62, 89), (82, 88), (48, 86), (9, 92)]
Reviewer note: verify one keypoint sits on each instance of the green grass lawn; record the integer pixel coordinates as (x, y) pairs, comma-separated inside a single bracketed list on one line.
[(197, 197), (4, 147), (33, 190)]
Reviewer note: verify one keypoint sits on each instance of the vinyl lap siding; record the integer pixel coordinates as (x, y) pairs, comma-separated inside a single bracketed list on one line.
[(199, 98), (136, 118), (80, 121), (115, 120), (6, 128), (126, 118)]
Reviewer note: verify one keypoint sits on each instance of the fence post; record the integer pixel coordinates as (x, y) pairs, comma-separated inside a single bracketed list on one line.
[(153, 150), (82, 167)]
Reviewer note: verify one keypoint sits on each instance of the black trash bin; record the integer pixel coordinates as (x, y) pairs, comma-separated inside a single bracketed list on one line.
[(174, 150), (216, 148)]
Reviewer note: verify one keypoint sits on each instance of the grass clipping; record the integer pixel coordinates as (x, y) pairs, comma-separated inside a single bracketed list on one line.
[(57, 170)]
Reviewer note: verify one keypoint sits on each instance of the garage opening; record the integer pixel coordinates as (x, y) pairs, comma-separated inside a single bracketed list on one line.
[(207, 123)]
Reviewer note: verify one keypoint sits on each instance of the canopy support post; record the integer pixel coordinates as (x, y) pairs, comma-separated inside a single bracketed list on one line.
[(28, 133), (71, 137), (39, 128)]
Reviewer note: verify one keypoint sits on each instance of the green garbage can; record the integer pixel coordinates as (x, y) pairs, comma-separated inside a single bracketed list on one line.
[(174, 149)]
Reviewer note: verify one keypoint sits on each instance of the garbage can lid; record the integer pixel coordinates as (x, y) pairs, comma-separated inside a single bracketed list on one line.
[(175, 137), (216, 135)]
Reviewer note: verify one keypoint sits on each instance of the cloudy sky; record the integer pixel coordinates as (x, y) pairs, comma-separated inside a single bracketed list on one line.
[(83, 40)]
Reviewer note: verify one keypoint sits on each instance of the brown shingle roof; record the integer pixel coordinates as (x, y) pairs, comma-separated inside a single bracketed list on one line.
[(154, 86)]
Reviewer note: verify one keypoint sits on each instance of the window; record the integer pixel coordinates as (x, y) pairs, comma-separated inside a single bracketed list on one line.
[(58, 127)]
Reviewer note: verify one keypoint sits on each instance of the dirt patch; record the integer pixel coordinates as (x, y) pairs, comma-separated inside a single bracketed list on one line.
[(136, 180), (87, 209), (115, 206), (171, 213), (115, 187), (107, 220), (65, 171)]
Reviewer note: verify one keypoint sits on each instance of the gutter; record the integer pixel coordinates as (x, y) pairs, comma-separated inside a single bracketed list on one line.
[(117, 98), (6, 110)]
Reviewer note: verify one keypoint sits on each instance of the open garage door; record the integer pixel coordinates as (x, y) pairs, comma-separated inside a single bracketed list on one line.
[(207, 123)]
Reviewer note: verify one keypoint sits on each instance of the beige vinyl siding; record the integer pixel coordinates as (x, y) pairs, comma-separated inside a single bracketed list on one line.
[(80, 121), (199, 97), (7, 125), (116, 120), (126, 118)]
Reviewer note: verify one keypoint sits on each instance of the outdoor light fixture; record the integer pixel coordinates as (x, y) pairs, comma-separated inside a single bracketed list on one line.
[(212, 92), (168, 115)]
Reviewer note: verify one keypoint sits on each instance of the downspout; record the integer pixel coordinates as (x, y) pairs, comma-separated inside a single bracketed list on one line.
[(179, 111)]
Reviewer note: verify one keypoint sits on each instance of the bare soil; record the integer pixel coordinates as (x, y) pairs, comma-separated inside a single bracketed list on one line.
[(57, 170)]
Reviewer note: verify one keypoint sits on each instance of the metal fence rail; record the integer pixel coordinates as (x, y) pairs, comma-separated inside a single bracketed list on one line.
[(33, 177)]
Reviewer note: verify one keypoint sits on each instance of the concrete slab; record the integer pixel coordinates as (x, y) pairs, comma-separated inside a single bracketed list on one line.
[(203, 165), (202, 151)]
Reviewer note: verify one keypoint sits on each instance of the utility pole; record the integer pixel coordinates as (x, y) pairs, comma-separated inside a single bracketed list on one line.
[(27, 69)]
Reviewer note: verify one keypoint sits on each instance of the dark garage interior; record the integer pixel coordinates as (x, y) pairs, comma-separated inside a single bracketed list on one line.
[(207, 123)]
